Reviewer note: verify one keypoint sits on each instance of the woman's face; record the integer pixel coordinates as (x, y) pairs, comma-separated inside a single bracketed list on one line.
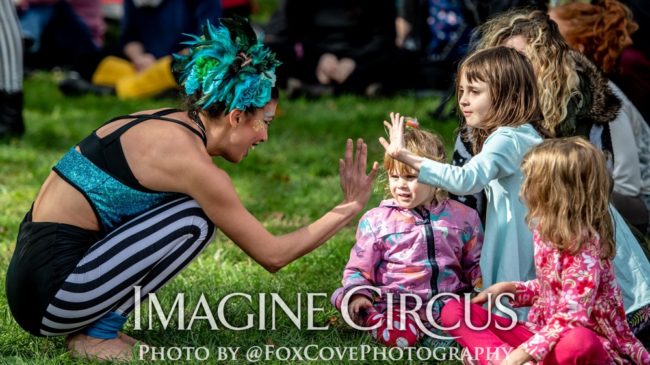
[(251, 129), (518, 42), (474, 101)]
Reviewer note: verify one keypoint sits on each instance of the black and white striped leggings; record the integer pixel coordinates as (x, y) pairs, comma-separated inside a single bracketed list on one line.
[(147, 251)]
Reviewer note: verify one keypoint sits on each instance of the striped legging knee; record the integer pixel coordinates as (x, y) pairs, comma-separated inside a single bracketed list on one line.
[(147, 251)]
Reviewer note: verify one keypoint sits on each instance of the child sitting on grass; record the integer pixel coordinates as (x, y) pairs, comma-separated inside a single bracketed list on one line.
[(577, 314), (419, 243)]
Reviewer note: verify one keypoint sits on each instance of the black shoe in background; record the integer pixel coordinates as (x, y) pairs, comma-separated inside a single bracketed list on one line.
[(75, 85), (11, 115)]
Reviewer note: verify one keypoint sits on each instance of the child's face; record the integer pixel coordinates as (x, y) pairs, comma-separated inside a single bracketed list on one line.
[(406, 190), (474, 100)]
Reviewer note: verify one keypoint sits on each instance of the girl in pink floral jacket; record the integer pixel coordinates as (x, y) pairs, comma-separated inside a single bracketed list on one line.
[(419, 243), (577, 314)]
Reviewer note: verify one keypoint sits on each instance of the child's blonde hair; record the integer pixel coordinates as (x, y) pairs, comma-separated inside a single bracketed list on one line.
[(566, 188), (422, 143), (511, 84)]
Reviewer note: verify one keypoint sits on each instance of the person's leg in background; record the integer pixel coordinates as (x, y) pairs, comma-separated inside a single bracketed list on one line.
[(11, 72), (66, 40), (33, 21)]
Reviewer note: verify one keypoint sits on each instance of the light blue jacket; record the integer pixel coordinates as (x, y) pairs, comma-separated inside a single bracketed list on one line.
[(507, 253)]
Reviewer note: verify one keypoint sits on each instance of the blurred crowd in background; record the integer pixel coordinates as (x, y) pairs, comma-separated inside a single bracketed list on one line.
[(327, 47)]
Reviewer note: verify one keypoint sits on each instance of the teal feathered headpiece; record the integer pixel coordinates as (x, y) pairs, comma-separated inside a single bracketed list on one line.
[(228, 64)]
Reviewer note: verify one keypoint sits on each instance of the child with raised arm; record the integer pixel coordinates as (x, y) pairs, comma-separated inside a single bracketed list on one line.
[(419, 243), (497, 94), (577, 314)]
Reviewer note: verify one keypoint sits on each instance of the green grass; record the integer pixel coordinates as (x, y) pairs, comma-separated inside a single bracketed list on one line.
[(287, 182)]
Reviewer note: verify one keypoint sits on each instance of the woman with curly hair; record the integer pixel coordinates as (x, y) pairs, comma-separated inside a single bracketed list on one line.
[(615, 37), (114, 213), (601, 31), (587, 105)]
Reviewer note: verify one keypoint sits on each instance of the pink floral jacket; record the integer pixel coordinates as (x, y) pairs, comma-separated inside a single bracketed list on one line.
[(435, 250), (576, 291)]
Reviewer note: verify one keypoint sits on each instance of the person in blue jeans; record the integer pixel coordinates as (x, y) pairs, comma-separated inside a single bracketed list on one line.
[(56, 34)]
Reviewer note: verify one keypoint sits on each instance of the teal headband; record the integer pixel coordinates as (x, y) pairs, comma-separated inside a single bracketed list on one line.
[(227, 64)]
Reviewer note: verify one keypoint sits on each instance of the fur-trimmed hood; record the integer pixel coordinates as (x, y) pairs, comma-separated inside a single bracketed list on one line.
[(597, 102)]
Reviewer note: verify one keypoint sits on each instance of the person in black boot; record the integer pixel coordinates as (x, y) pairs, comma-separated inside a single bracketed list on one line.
[(11, 114), (11, 73)]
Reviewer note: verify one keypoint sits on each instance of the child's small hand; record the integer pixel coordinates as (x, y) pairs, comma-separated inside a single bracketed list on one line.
[(357, 307), (395, 131), (517, 357), (396, 149), (494, 291)]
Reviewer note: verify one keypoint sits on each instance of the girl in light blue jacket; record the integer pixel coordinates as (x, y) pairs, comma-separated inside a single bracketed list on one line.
[(497, 94)]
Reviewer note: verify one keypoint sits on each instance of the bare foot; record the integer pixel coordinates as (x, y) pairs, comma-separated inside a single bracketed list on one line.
[(130, 340), (83, 346)]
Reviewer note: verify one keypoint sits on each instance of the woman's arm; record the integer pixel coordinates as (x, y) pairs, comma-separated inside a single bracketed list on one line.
[(212, 188)]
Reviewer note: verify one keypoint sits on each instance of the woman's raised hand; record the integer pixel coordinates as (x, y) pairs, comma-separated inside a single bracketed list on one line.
[(356, 185), (395, 131)]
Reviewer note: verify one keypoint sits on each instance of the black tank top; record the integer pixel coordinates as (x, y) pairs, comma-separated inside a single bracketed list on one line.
[(107, 153)]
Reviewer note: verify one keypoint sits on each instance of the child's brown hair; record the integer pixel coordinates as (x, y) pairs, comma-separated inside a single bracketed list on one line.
[(511, 82)]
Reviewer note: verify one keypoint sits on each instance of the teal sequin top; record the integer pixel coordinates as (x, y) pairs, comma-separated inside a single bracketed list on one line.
[(113, 202)]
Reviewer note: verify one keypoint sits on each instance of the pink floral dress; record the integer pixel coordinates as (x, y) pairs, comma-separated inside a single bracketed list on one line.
[(576, 291)]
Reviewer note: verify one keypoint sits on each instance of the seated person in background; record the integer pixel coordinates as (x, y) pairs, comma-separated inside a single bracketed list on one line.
[(336, 45), (152, 30), (60, 32), (634, 73), (437, 34), (601, 32)]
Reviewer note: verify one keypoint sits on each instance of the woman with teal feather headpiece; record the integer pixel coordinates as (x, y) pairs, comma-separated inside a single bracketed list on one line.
[(138, 199), (227, 65)]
